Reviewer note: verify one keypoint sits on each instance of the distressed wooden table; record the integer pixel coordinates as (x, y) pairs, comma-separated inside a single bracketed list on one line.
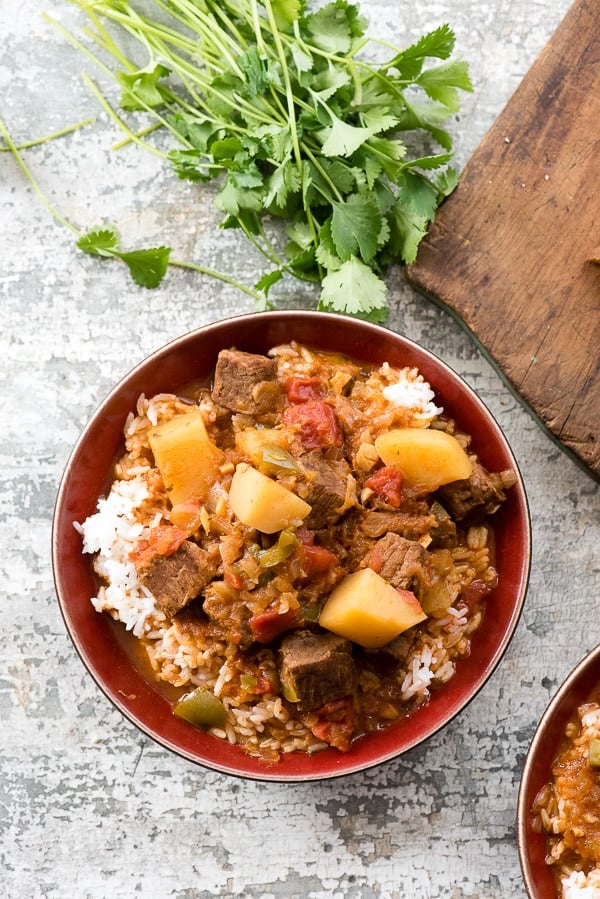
[(90, 807)]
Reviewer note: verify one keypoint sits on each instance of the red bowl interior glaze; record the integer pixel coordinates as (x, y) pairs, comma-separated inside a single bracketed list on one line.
[(108, 654), (537, 771)]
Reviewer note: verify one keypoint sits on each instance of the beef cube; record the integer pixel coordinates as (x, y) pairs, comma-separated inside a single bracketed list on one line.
[(228, 616), (329, 489), (479, 495), (404, 563), (245, 382), (408, 524), (316, 668), (443, 534), (177, 579)]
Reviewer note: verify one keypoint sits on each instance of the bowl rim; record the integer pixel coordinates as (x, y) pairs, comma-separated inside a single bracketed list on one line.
[(561, 708), (340, 766)]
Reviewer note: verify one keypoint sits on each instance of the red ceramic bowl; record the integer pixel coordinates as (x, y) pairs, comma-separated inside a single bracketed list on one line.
[(537, 771), (102, 645)]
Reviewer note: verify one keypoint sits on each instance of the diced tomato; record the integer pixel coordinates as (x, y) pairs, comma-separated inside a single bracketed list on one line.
[(387, 482), (336, 722), (316, 423), (264, 684), (476, 591), (268, 625), (316, 560), (375, 560), (301, 390), (233, 579), (163, 540)]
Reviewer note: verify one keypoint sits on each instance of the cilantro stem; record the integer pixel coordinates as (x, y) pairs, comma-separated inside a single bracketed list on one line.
[(158, 41), (109, 44), (19, 160), (48, 137), (260, 43), (118, 120), (286, 80), (227, 21), (267, 250), (220, 38), (323, 174), (219, 276), (77, 44), (139, 134)]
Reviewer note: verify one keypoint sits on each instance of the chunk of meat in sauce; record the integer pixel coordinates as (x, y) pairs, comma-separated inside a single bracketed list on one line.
[(479, 495), (246, 382), (177, 579), (228, 617), (327, 487), (407, 524), (404, 563), (316, 668)]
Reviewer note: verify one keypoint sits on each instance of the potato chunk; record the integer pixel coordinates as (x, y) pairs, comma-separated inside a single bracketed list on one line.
[(262, 503), (186, 457), (427, 458), (366, 609)]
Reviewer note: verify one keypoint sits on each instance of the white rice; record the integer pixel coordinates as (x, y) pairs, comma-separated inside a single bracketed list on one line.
[(412, 392), (112, 532), (582, 886)]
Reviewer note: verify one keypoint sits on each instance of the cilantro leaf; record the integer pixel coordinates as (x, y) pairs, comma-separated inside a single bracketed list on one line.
[(141, 88), (334, 27), (441, 83), (342, 139), (419, 194), (429, 162), (355, 226), (439, 43), (378, 120), (446, 181), (235, 196), (302, 60), (255, 70), (342, 175), (265, 283), (326, 252), (328, 82), (286, 12), (407, 229), (99, 241), (283, 183), (147, 267), (187, 165), (353, 289), (195, 129)]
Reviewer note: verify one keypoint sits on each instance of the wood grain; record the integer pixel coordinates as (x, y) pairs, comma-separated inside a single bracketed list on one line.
[(513, 252)]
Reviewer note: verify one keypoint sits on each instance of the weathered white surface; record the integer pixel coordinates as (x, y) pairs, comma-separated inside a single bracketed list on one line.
[(90, 807)]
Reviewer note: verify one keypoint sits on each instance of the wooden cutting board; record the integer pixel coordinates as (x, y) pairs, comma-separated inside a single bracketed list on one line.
[(514, 252)]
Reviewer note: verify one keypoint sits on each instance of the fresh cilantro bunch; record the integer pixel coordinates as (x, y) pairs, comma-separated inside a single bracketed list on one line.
[(285, 108)]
